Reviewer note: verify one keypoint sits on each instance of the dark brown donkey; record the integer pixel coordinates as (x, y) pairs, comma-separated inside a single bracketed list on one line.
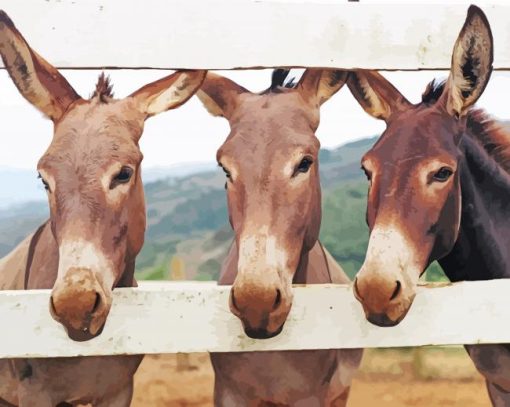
[(91, 172), (439, 190), (271, 162)]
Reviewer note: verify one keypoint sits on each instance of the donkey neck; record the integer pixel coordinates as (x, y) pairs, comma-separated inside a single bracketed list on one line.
[(301, 276), (313, 267), (481, 250)]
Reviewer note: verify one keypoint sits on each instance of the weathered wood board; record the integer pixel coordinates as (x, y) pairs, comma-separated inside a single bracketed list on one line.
[(166, 317), (227, 34)]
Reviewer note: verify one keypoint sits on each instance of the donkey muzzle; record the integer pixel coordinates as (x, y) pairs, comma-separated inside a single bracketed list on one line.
[(262, 310), (385, 301), (80, 303)]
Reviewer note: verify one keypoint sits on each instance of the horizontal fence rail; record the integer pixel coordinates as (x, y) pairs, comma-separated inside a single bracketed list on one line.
[(221, 34), (166, 317)]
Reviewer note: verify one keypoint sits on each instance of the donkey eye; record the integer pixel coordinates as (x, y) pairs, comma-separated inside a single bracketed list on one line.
[(443, 174), (122, 177), (44, 182), (368, 174), (304, 165)]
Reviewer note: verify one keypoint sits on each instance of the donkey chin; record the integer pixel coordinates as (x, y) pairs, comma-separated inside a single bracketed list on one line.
[(392, 316), (80, 303)]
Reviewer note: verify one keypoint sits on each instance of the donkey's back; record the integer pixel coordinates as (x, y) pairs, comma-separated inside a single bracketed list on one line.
[(13, 266)]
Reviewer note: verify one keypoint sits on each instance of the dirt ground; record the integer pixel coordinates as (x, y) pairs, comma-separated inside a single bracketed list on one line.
[(405, 377)]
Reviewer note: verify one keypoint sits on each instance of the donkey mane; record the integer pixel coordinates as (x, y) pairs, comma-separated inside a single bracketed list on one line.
[(433, 91), (492, 135), (104, 89), (278, 80)]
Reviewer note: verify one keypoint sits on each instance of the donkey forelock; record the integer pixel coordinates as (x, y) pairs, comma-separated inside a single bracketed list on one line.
[(433, 91), (280, 79), (104, 89)]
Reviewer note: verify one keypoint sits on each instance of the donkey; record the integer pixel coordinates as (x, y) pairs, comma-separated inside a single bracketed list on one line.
[(91, 172), (270, 160), (439, 187)]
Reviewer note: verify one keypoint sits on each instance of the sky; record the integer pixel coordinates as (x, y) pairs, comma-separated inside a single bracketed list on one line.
[(190, 134)]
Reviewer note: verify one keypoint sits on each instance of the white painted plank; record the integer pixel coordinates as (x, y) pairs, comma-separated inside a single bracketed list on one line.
[(226, 34), (194, 317)]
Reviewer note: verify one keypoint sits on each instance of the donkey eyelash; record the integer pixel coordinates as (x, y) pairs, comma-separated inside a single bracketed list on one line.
[(227, 172), (303, 166), (44, 182), (368, 174)]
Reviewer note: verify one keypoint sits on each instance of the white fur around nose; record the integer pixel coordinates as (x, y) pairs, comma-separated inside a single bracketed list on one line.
[(261, 248), (391, 253), (80, 253)]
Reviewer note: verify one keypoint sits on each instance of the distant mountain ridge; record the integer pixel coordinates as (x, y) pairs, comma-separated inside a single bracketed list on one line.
[(187, 215), (20, 186)]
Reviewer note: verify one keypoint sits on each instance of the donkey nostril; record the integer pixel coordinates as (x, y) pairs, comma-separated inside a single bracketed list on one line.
[(52, 305), (277, 300), (396, 292), (233, 299), (356, 289), (97, 303)]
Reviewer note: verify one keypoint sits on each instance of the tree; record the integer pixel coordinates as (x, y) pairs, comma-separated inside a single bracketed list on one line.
[(177, 269)]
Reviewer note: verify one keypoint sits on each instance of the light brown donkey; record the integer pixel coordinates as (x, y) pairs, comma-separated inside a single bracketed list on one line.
[(91, 172), (274, 198)]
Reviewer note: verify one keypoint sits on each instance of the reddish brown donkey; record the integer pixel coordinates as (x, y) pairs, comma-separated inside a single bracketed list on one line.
[(439, 190)]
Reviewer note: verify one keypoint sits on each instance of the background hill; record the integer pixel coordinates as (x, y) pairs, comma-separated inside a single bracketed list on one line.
[(188, 233)]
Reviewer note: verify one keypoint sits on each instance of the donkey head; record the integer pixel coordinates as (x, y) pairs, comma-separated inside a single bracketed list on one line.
[(270, 160), (414, 196), (91, 172)]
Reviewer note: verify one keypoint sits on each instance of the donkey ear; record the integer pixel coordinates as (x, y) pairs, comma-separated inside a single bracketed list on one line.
[(220, 95), (169, 92), (472, 58), (320, 84), (376, 95), (39, 82)]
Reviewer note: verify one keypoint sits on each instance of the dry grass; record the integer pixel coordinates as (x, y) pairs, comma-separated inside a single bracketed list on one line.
[(399, 377)]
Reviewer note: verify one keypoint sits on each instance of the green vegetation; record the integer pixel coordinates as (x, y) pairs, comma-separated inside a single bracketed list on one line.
[(209, 270), (344, 231), (188, 220)]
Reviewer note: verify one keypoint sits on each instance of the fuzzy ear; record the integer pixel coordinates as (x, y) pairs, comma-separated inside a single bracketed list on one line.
[(320, 84), (220, 95), (472, 59), (38, 81), (376, 95), (169, 92)]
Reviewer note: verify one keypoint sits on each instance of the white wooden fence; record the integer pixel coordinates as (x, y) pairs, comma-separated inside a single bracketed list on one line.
[(228, 34), (168, 317), (194, 317)]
